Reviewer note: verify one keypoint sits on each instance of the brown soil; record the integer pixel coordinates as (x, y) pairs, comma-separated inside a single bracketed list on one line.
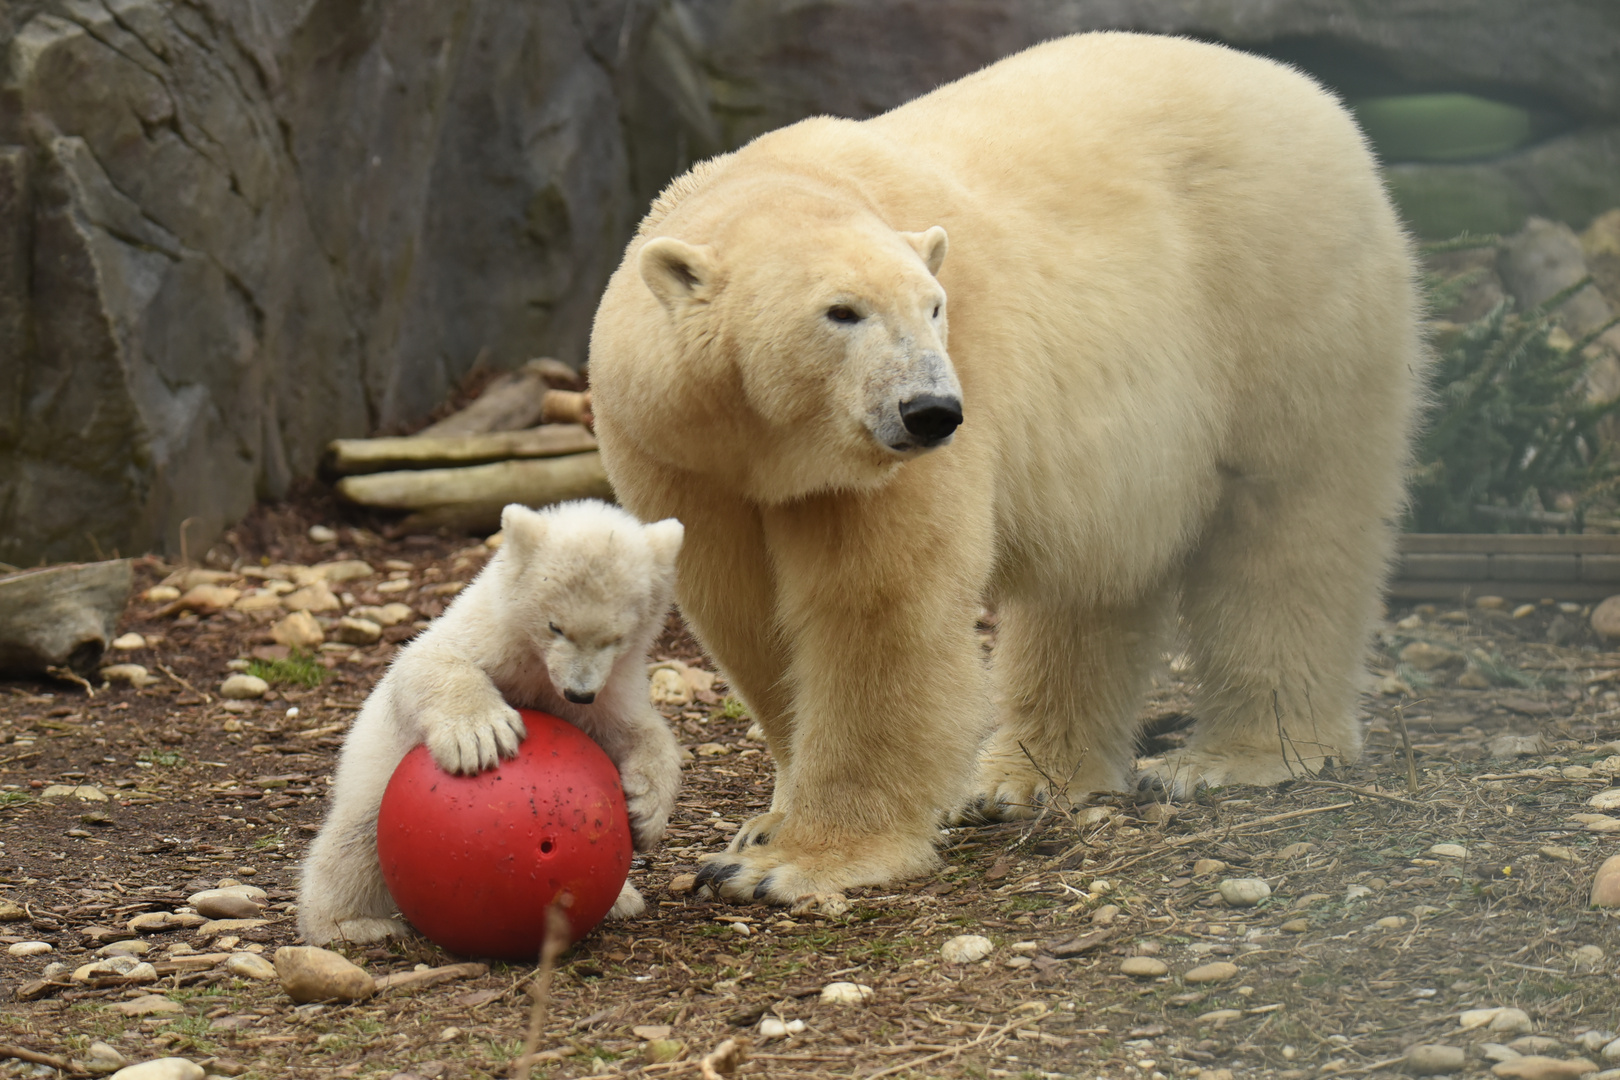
[(199, 793)]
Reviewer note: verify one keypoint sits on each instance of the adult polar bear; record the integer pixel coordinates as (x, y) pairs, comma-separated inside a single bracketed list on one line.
[(1185, 357)]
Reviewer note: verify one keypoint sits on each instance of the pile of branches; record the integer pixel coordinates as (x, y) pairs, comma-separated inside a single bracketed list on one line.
[(1514, 431)]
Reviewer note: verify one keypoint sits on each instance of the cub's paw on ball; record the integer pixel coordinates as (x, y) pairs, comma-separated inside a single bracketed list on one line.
[(471, 742)]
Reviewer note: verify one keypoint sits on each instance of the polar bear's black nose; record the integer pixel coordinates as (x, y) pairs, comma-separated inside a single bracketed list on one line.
[(931, 417), (579, 698)]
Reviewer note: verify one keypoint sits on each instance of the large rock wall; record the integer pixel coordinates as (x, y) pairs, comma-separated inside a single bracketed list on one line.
[(231, 230)]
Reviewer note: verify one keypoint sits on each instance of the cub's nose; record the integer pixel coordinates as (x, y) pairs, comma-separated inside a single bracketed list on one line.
[(579, 697), (931, 417)]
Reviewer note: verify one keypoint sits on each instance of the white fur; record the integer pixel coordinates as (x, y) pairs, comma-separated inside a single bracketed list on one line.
[(601, 578), (1184, 323)]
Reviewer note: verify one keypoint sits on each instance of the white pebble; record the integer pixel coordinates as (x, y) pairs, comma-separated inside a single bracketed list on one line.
[(846, 993), (966, 948), (772, 1027), (1449, 851), (241, 687), (322, 534), (170, 1068), (1244, 892), (129, 642)]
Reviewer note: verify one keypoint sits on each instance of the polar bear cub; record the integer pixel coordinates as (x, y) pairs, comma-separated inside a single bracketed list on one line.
[(560, 620)]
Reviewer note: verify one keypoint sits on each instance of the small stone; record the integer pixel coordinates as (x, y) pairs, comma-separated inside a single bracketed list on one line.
[(30, 948), (1594, 1041), (1449, 851), (650, 1032), (1524, 611), (1221, 1016), (150, 1005), (1490, 603), (205, 599), (1587, 956), (339, 571), (1606, 884), (151, 921), (160, 594), (1474, 679), (1611, 1051), (259, 600), (1605, 800), (669, 687), (127, 643), (352, 631), (1393, 686), (10, 912), (1244, 892), (1357, 892), (243, 688), (712, 749), (298, 631), (132, 947), (322, 534), (169, 1068), (1534, 1044), (1494, 1052), (116, 967), (1295, 926), (315, 597), (1506, 746), (966, 948), (1105, 914), (134, 674), (1143, 967), (1391, 922), (1434, 1060), (1212, 973), (1207, 866), (82, 792), (1598, 823), (681, 884), (1606, 618), (846, 993), (101, 1058), (246, 965), (216, 927), (225, 904), (772, 1027), (1536, 1067), (1426, 656), (1510, 1021), (1295, 850), (309, 973)]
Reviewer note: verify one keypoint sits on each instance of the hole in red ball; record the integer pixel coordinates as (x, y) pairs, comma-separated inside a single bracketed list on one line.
[(546, 846)]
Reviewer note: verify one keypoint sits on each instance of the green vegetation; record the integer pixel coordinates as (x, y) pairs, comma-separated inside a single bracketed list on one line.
[(1514, 428), (732, 709), (298, 669)]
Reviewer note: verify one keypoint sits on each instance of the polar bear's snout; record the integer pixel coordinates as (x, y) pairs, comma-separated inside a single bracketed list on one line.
[(579, 697), (931, 418)]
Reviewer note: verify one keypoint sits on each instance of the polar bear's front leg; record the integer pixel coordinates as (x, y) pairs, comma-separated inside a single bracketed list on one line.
[(891, 696), (649, 762), (467, 726)]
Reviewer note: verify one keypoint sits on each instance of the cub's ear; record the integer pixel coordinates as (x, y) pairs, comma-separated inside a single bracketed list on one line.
[(664, 538), (523, 530), (678, 273), (930, 245)]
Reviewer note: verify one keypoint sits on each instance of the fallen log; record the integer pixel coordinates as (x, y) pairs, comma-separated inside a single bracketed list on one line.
[(513, 401), (61, 616), (350, 456), (473, 497)]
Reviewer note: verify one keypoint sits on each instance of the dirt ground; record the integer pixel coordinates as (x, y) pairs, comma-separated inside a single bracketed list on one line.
[(1369, 943)]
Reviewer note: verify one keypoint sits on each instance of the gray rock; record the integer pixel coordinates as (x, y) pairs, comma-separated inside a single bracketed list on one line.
[(966, 949), (61, 616), (309, 974), (169, 1068), (1244, 892)]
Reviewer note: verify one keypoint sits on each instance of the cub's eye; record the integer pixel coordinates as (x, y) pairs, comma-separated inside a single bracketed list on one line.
[(840, 313), (936, 311), (555, 629)]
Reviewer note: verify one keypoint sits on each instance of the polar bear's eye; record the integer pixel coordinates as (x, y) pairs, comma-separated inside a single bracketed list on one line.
[(936, 311), (841, 313), (555, 629)]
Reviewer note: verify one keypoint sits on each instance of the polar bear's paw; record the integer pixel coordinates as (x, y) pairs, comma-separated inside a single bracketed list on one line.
[(763, 875), (756, 830), (1179, 775), (777, 872), (628, 905), (364, 930), (470, 742), (1006, 795), (651, 777)]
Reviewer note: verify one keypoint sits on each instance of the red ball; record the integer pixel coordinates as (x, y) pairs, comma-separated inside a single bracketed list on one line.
[(474, 861)]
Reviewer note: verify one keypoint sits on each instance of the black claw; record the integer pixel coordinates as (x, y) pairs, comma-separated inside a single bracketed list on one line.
[(763, 887), (761, 838), (715, 874)]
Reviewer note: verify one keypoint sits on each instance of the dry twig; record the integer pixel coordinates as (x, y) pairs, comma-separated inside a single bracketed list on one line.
[(539, 988)]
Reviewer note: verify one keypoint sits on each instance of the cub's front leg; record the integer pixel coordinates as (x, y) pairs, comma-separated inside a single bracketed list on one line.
[(648, 758), (460, 714)]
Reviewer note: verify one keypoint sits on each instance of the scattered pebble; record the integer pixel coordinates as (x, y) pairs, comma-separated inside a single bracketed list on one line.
[(226, 904), (1606, 618), (101, 1058), (116, 967), (1391, 922), (1536, 1067), (30, 948), (1434, 1060), (151, 921), (298, 631), (248, 965), (160, 594), (353, 631), (1606, 884), (1490, 603), (1449, 851), (846, 993), (1611, 1052), (1244, 892), (169, 1068), (1494, 1052), (83, 792), (1207, 866), (649, 1032), (150, 1005), (322, 534), (1534, 1044), (1295, 926), (667, 687), (965, 949), (1594, 1041), (241, 687), (134, 674), (1221, 1016), (1143, 967), (1357, 892), (772, 1027), (1562, 854), (1506, 746), (317, 596), (1605, 800), (681, 884), (128, 643), (1427, 656), (1212, 973), (1498, 1019), (309, 973), (1105, 914), (662, 1051)]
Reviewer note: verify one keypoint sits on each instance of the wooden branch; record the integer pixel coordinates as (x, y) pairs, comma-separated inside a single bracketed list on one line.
[(511, 402), (566, 407), (352, 456), (472, 498)]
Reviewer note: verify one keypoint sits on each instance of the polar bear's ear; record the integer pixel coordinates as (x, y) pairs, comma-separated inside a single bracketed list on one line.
[(524, 530), (678, 273), (664, 538), (930, 245)]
